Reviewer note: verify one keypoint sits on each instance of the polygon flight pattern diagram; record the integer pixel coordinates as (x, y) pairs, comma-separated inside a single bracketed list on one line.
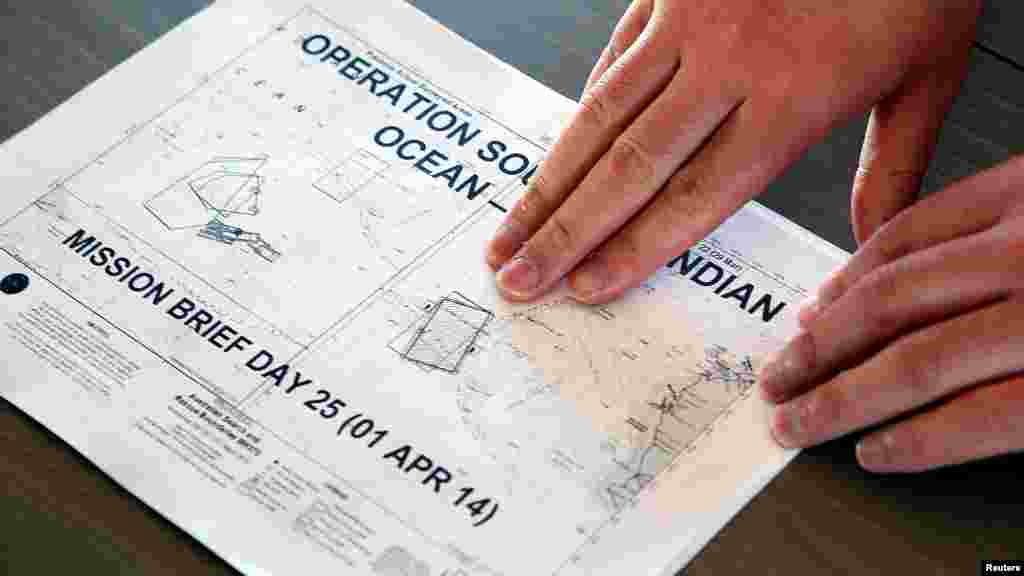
[(442, 337), (213, 196)]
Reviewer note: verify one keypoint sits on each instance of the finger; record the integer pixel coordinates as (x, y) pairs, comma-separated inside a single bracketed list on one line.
[(604, 112), (911, 372), (899, 143), (924, 287), (979, 423), (629, 28), (904, 127), (967, 207), (755, 142), (627, 176)]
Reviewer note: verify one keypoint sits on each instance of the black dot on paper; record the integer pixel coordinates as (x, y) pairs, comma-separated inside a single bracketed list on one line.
[(14, 283)]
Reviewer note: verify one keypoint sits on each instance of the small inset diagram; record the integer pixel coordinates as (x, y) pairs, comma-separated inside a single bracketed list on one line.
[(442, 337), (222, 189), (356, 172), (397, 561)]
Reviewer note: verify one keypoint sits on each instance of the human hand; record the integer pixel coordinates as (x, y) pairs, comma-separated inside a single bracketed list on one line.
[(927, 316), (696, 105)]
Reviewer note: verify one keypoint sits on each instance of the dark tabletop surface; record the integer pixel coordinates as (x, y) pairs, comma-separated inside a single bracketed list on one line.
[(823, 515)]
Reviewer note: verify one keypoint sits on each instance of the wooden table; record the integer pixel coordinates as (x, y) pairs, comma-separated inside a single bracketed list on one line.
[(822, 515)]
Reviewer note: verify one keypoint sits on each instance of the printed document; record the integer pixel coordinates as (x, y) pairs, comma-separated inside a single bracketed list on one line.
[(243, 273)]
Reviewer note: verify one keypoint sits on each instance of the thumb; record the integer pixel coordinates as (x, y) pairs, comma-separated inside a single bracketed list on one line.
[(899, 143)]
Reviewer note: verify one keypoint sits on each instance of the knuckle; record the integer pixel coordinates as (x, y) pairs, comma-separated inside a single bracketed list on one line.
[(892, 242), (686, 198), (601, 107), (624, 257), (630, 27), (619, 88), (911, 444), (919, 363), (1015, 253), (877, 296), (805, 351), (593, 112), (824, 407), (629, 161), (617, 46), (559, 238), (538, 198)]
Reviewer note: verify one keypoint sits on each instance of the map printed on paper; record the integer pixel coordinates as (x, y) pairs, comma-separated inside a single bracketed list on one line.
[(273, 296)]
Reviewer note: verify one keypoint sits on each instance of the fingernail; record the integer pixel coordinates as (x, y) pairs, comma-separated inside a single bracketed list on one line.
[(588, 283), (787, 425), (518, 277), (873, 452), (507, 240), (810, 310)]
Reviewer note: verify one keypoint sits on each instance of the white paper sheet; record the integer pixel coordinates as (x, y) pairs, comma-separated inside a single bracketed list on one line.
[(245, 279)]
